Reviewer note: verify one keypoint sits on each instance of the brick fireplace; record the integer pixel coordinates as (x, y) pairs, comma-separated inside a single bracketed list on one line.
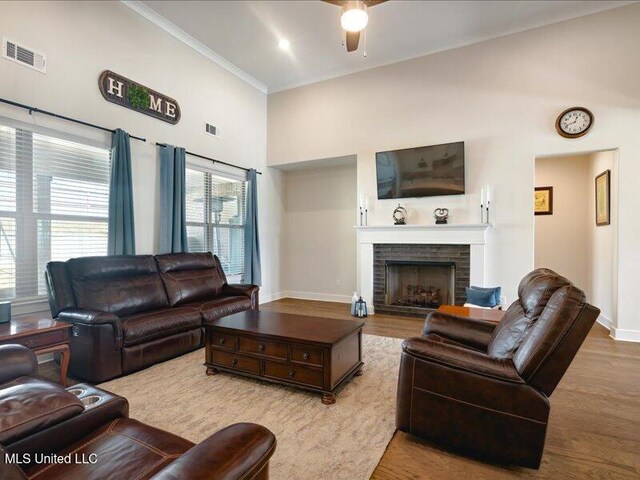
[(413, 279), (409, 269)]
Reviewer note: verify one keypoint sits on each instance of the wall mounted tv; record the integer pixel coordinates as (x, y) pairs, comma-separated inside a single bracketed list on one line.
[(421, 172)]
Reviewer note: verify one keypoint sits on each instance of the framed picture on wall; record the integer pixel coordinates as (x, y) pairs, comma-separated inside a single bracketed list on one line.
[(543, 201), (603, 198)]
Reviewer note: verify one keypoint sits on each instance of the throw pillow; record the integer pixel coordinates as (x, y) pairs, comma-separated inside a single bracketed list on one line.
[(484, 297)]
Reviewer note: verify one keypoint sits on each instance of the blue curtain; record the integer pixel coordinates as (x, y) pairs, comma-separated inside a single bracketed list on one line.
[(122, 235), (173, 214), (251, 241)]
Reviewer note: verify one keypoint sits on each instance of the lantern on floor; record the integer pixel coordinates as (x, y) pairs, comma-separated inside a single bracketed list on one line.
[(361, 308)]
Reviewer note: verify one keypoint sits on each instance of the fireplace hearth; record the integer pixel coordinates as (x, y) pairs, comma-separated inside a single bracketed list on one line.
[(414, 279)]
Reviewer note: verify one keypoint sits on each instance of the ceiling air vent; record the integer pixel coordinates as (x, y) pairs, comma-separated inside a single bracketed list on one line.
[(24, 55), (212, 130)]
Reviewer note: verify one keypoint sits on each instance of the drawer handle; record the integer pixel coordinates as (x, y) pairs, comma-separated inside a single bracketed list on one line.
[(305, 356), (292, 373), (261, 347), (223, 341), (234, 362)]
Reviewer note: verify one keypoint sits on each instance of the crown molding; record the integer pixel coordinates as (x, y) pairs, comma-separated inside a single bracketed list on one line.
[(157, 19)]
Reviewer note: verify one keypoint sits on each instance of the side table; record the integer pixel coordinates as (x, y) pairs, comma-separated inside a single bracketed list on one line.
[(488, 315), (40, 334)]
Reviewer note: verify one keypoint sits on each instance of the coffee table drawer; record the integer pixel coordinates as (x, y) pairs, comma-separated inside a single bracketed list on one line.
[(256, 346), (238, 362), (308, 356), (294, 374), (221, 340)]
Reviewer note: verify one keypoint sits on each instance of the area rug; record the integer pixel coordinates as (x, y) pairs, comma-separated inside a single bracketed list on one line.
[(315, 441)]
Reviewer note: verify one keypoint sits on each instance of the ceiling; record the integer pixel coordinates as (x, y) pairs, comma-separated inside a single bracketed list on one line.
[(243, 36)]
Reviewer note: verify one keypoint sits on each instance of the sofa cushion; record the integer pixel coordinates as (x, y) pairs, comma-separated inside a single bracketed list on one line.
[(534, 293), (147, 326), (119, 284), (221, 307), (28, 405), (124, 448), (188, 277)]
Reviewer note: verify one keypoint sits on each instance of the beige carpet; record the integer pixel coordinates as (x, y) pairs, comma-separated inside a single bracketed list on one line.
[(315, 441)]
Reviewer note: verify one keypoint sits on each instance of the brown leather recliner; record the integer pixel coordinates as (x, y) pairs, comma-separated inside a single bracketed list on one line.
[(129, 312), (482, 388), (91, 426)]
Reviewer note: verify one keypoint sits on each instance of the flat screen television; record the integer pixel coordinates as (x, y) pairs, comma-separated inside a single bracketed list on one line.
[(421, 172)]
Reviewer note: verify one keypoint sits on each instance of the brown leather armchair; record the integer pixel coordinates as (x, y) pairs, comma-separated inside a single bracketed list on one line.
[(91, 425), (482, 388), (131, 311)]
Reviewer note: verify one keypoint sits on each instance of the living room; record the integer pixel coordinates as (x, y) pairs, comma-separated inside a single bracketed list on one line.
[(258, 131)]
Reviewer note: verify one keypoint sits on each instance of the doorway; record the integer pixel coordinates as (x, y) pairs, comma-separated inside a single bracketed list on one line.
[(571, 237)]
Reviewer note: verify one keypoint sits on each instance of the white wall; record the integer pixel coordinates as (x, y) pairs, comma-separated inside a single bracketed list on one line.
[(319, 238), (561, 239), (502, 98), (81, 39), (602, 268)]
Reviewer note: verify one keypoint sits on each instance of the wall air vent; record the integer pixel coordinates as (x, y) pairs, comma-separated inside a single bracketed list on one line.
[(24, 55), (212, 130)]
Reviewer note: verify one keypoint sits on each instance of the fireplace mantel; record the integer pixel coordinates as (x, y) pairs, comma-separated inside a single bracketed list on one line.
[(473, 235), (451, 233)]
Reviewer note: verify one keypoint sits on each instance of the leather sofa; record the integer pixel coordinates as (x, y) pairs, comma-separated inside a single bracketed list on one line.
[(130, 312), (483, 388), (40, 418)]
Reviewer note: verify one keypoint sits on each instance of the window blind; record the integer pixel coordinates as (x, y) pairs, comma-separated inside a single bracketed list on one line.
[(54, 203), (216, 218)]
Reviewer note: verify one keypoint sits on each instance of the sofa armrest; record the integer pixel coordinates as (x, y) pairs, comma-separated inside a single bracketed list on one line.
[(93, 318), (88, 317), (475, 333), (17, 361), (251, 291), (462, 359), (240, 451)]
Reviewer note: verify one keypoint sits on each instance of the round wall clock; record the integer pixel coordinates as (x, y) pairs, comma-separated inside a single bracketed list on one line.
[(574, 122)]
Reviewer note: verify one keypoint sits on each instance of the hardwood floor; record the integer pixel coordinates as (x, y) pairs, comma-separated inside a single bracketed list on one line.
[(594, 429)]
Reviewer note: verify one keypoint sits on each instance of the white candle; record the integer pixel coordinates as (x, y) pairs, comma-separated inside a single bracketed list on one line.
[(361, 201), (366, 202), (488, 194), (482, 196)]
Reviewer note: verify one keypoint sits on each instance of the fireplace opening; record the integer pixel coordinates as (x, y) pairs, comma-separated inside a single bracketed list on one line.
[(419, 284)]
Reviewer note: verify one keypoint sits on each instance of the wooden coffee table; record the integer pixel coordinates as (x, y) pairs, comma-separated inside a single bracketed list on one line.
[(311, 353)]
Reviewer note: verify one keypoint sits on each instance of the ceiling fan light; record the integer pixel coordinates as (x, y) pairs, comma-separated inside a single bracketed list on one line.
[(354, 19)]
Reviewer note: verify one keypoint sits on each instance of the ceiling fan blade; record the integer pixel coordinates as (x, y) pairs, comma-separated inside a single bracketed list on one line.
[(373, 3), (352, 41), (338, 3)]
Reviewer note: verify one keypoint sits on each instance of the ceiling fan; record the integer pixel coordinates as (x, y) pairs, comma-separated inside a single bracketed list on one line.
[(354, 18)]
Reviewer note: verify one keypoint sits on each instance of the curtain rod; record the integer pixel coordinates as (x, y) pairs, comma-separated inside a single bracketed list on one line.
[(69, 119), (164, 145)]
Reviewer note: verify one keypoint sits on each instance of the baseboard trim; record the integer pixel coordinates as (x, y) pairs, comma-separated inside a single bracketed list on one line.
[(272, 297), (624, 335), (321, 297)]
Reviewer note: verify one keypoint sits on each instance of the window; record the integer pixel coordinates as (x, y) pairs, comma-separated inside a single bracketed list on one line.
[(216, 218), (54, 204)]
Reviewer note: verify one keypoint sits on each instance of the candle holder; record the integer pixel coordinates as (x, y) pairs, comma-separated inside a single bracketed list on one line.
[(366, 216), (361, 224)]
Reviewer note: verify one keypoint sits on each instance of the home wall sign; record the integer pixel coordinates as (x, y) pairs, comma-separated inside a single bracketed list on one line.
[(127, 93)]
